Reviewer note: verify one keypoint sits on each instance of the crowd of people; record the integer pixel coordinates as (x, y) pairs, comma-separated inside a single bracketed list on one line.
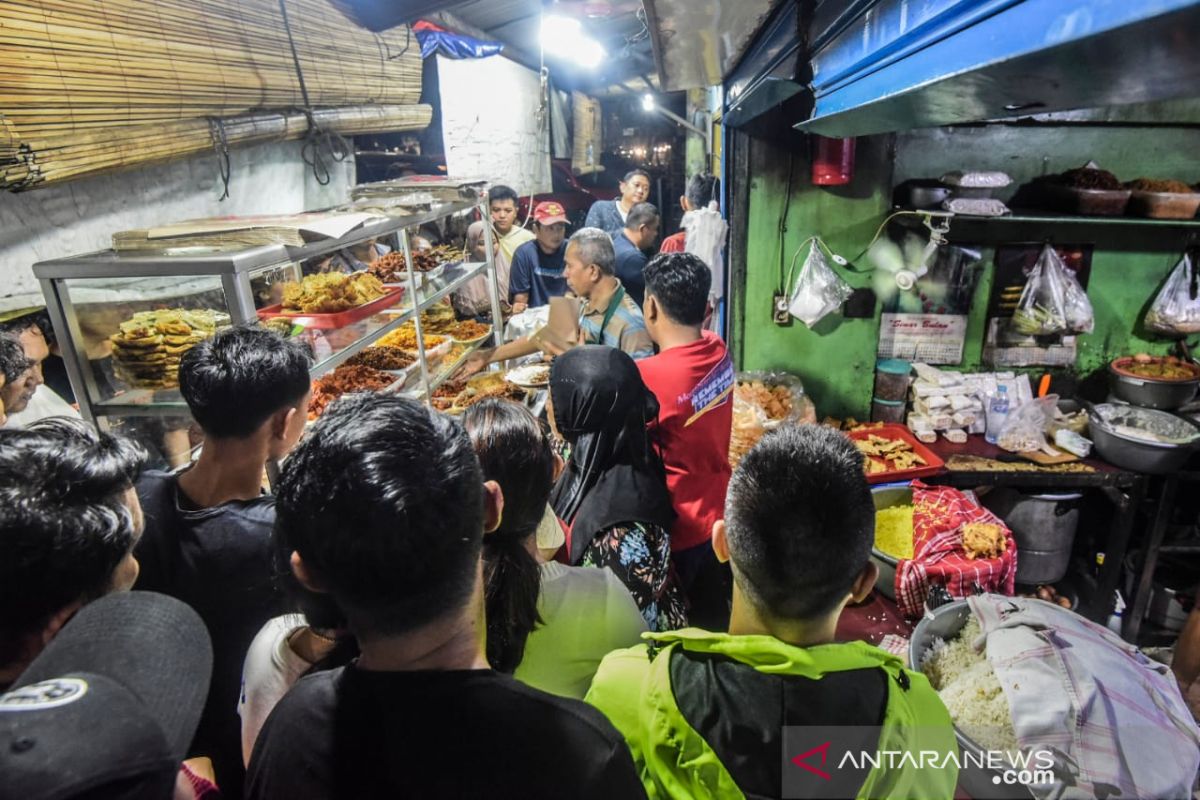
[(397, 617)]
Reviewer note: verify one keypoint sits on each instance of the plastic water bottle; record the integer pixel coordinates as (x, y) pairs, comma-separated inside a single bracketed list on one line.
[(996, 414)]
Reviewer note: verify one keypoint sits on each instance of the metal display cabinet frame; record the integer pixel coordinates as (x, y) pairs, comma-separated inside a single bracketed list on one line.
[(234, 269)]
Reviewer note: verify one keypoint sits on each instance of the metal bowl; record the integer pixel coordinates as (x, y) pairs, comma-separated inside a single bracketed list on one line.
[(944, 623), (1110, 424), (888, 497), (1150, 392)]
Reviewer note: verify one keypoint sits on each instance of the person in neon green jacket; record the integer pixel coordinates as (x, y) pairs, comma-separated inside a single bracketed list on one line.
[(775, 708)]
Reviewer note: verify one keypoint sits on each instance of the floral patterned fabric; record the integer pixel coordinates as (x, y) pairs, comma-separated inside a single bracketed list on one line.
[(640, 555)]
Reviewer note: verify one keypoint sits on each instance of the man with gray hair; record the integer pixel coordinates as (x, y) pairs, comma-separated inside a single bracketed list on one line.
[(631, 245), (609, 316)]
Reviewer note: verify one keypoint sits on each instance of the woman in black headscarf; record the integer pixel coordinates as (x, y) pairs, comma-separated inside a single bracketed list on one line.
[(613, 492)]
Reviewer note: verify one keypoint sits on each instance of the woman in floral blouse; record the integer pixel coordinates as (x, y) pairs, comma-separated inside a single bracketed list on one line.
[(613, 494)]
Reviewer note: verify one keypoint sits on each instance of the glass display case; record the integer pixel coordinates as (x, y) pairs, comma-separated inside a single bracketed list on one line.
[(125, 320)]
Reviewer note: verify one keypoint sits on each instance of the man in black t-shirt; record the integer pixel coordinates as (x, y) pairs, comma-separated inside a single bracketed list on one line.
[(384, 507), (208, 528)]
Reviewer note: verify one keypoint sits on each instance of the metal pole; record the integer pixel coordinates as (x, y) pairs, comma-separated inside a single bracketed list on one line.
[(493, 278), (416, 305)]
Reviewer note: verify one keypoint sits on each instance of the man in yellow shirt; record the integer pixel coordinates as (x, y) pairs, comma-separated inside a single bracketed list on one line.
[(502, 202)]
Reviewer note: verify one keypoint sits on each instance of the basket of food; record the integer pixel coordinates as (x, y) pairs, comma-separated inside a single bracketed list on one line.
[(1015, 673), (1162, 382), (763, 401), (971, 536), (332, 300)]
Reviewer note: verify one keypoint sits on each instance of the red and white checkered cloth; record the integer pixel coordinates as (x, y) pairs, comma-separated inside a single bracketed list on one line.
[(939, 512)]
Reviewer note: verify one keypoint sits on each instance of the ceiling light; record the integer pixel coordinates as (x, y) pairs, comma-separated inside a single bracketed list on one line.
[(563, 38), (647, 102)]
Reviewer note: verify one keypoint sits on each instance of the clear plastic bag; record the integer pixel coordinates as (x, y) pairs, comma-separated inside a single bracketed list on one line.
[(763, 401), (1025, 428), (1053, 301), (819, 290), (1176, 310)]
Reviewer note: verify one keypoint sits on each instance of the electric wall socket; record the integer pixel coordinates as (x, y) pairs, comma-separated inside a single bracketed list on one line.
[(779, 310)]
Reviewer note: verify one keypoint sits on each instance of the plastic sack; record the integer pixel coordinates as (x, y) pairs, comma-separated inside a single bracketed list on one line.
[(763, 401), (1025, 429), (819, 290), (1176, 310), (705, 238), (1053, 301), (434, 39)]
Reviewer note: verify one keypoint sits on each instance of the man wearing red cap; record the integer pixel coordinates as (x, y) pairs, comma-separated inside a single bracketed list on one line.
[(537, 266)]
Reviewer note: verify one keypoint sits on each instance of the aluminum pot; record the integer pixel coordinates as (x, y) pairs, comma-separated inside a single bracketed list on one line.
[(1141, 455), (944, 623), (1148, 392), (888, 497)]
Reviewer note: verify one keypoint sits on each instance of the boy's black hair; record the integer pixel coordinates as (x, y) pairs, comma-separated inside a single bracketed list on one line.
[(702, 189), (680, 282), (234, 381), (63, 525), (800, 521), (500, 192), (384, 502)]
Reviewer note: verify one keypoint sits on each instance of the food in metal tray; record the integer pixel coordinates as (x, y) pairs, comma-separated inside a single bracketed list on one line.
[(529, 375), (405, 337), (345, 379)]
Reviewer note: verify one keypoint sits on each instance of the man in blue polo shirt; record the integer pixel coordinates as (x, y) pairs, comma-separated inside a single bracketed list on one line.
[(537, 266), (630, 247)]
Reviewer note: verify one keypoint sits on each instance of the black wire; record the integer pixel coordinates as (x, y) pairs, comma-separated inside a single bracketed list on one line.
[(407, 44), (216, 128), (317, 142), (787, 205)]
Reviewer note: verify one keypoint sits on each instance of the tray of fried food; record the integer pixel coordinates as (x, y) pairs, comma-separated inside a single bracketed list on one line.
[(890, 452), (473, 394), (330, 292)]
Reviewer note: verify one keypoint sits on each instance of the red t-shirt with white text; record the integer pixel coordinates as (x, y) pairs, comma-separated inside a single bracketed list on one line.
[(694, 387)]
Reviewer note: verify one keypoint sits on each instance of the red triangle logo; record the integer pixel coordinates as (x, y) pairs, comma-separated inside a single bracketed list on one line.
[(800, 760)]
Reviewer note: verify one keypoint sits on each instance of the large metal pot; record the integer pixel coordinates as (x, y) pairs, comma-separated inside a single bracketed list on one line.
[(944, 623), (1150, 392), (1111, 427)]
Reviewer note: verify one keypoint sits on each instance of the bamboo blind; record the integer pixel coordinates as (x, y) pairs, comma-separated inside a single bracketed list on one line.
[(585, 151), (96, 85)]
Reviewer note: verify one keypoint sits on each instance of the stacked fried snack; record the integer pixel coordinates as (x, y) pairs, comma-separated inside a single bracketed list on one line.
[(147, 349), (887, 455), (438, 318), (331, 292)]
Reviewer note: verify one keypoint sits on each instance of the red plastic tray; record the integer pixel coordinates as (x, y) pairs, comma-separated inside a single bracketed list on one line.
[(932, 466), (341, 319)]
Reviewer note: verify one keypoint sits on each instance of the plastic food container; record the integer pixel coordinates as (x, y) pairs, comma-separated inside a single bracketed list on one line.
[(340, 319), (887, 410), (1094, 202), (1164, 205), (892, 379)]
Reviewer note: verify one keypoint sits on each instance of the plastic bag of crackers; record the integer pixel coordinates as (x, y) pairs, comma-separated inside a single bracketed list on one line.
[(763, 401)]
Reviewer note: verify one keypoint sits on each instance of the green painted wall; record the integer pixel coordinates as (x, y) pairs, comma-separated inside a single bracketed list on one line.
[(836, 360)]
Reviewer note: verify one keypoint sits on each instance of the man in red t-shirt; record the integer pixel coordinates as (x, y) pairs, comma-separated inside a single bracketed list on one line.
[(692, 377)]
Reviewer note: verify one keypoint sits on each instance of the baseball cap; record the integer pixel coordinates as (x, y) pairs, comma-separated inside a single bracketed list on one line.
[(549, 212), (110, 706)]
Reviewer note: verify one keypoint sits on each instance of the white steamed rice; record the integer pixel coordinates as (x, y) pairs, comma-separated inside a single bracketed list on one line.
[(968, 685)]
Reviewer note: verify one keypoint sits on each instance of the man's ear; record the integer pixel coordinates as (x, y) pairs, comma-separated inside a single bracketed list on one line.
[(650, 310), (306, 577), (281, 420), (493, 506), (864, 583), (684, 204), (720, 541)]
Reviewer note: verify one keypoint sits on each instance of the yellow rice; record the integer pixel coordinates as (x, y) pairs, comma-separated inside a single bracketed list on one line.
[(894, 531)]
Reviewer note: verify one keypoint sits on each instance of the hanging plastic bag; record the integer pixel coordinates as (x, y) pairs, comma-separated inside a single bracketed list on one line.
[(1176, 310), (706, 238), (1080, 317), (819, 290), (1041, 311)]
